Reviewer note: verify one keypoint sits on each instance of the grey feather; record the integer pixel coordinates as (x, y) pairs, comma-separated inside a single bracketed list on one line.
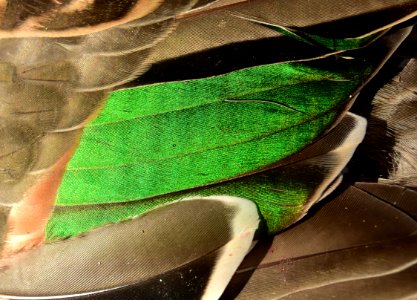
[(394, 118)]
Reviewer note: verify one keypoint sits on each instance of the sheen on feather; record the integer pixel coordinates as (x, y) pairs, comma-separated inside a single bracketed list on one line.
[(55, 84), (358, 246), (184, 250)]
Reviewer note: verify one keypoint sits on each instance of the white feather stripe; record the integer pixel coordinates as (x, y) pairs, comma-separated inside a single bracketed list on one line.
[(243, 225)]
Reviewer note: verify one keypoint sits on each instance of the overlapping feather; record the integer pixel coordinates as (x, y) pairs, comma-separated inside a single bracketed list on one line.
[(164, 254), (393, 120), (358, 245), (212, 233), (64, 80), (52, 87)]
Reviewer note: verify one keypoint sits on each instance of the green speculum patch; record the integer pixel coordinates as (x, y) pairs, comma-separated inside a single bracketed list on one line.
[(156, 144)]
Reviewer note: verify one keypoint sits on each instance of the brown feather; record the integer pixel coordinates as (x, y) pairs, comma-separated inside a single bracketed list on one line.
[(52, 86), (357, 246)]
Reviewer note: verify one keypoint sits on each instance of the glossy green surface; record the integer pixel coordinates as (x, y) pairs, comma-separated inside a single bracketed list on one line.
[(280, 199), (171, 137), (159, 143)]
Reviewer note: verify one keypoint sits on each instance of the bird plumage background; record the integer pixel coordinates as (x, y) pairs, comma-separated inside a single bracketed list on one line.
[(145, 146)]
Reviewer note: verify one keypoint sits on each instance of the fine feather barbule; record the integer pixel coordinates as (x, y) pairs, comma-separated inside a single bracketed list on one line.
[(392, 134), (78, 17), (56, 84), (200, 253), (359, 247), (66, 72), (52, 86), (230, 49), (49, 18)]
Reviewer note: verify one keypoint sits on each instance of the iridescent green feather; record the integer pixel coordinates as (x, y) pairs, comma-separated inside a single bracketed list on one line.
[(159, 143)]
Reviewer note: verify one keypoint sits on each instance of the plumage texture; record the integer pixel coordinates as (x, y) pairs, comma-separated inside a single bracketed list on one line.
[(355, 246), (394, 120), (246, 99), (231, 49), (283, 192), (296, 104), (53, 86), (48, 18), (194, 248)]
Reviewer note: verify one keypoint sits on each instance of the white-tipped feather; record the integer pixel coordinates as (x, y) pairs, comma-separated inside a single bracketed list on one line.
[(155, 247), (244, 226)]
